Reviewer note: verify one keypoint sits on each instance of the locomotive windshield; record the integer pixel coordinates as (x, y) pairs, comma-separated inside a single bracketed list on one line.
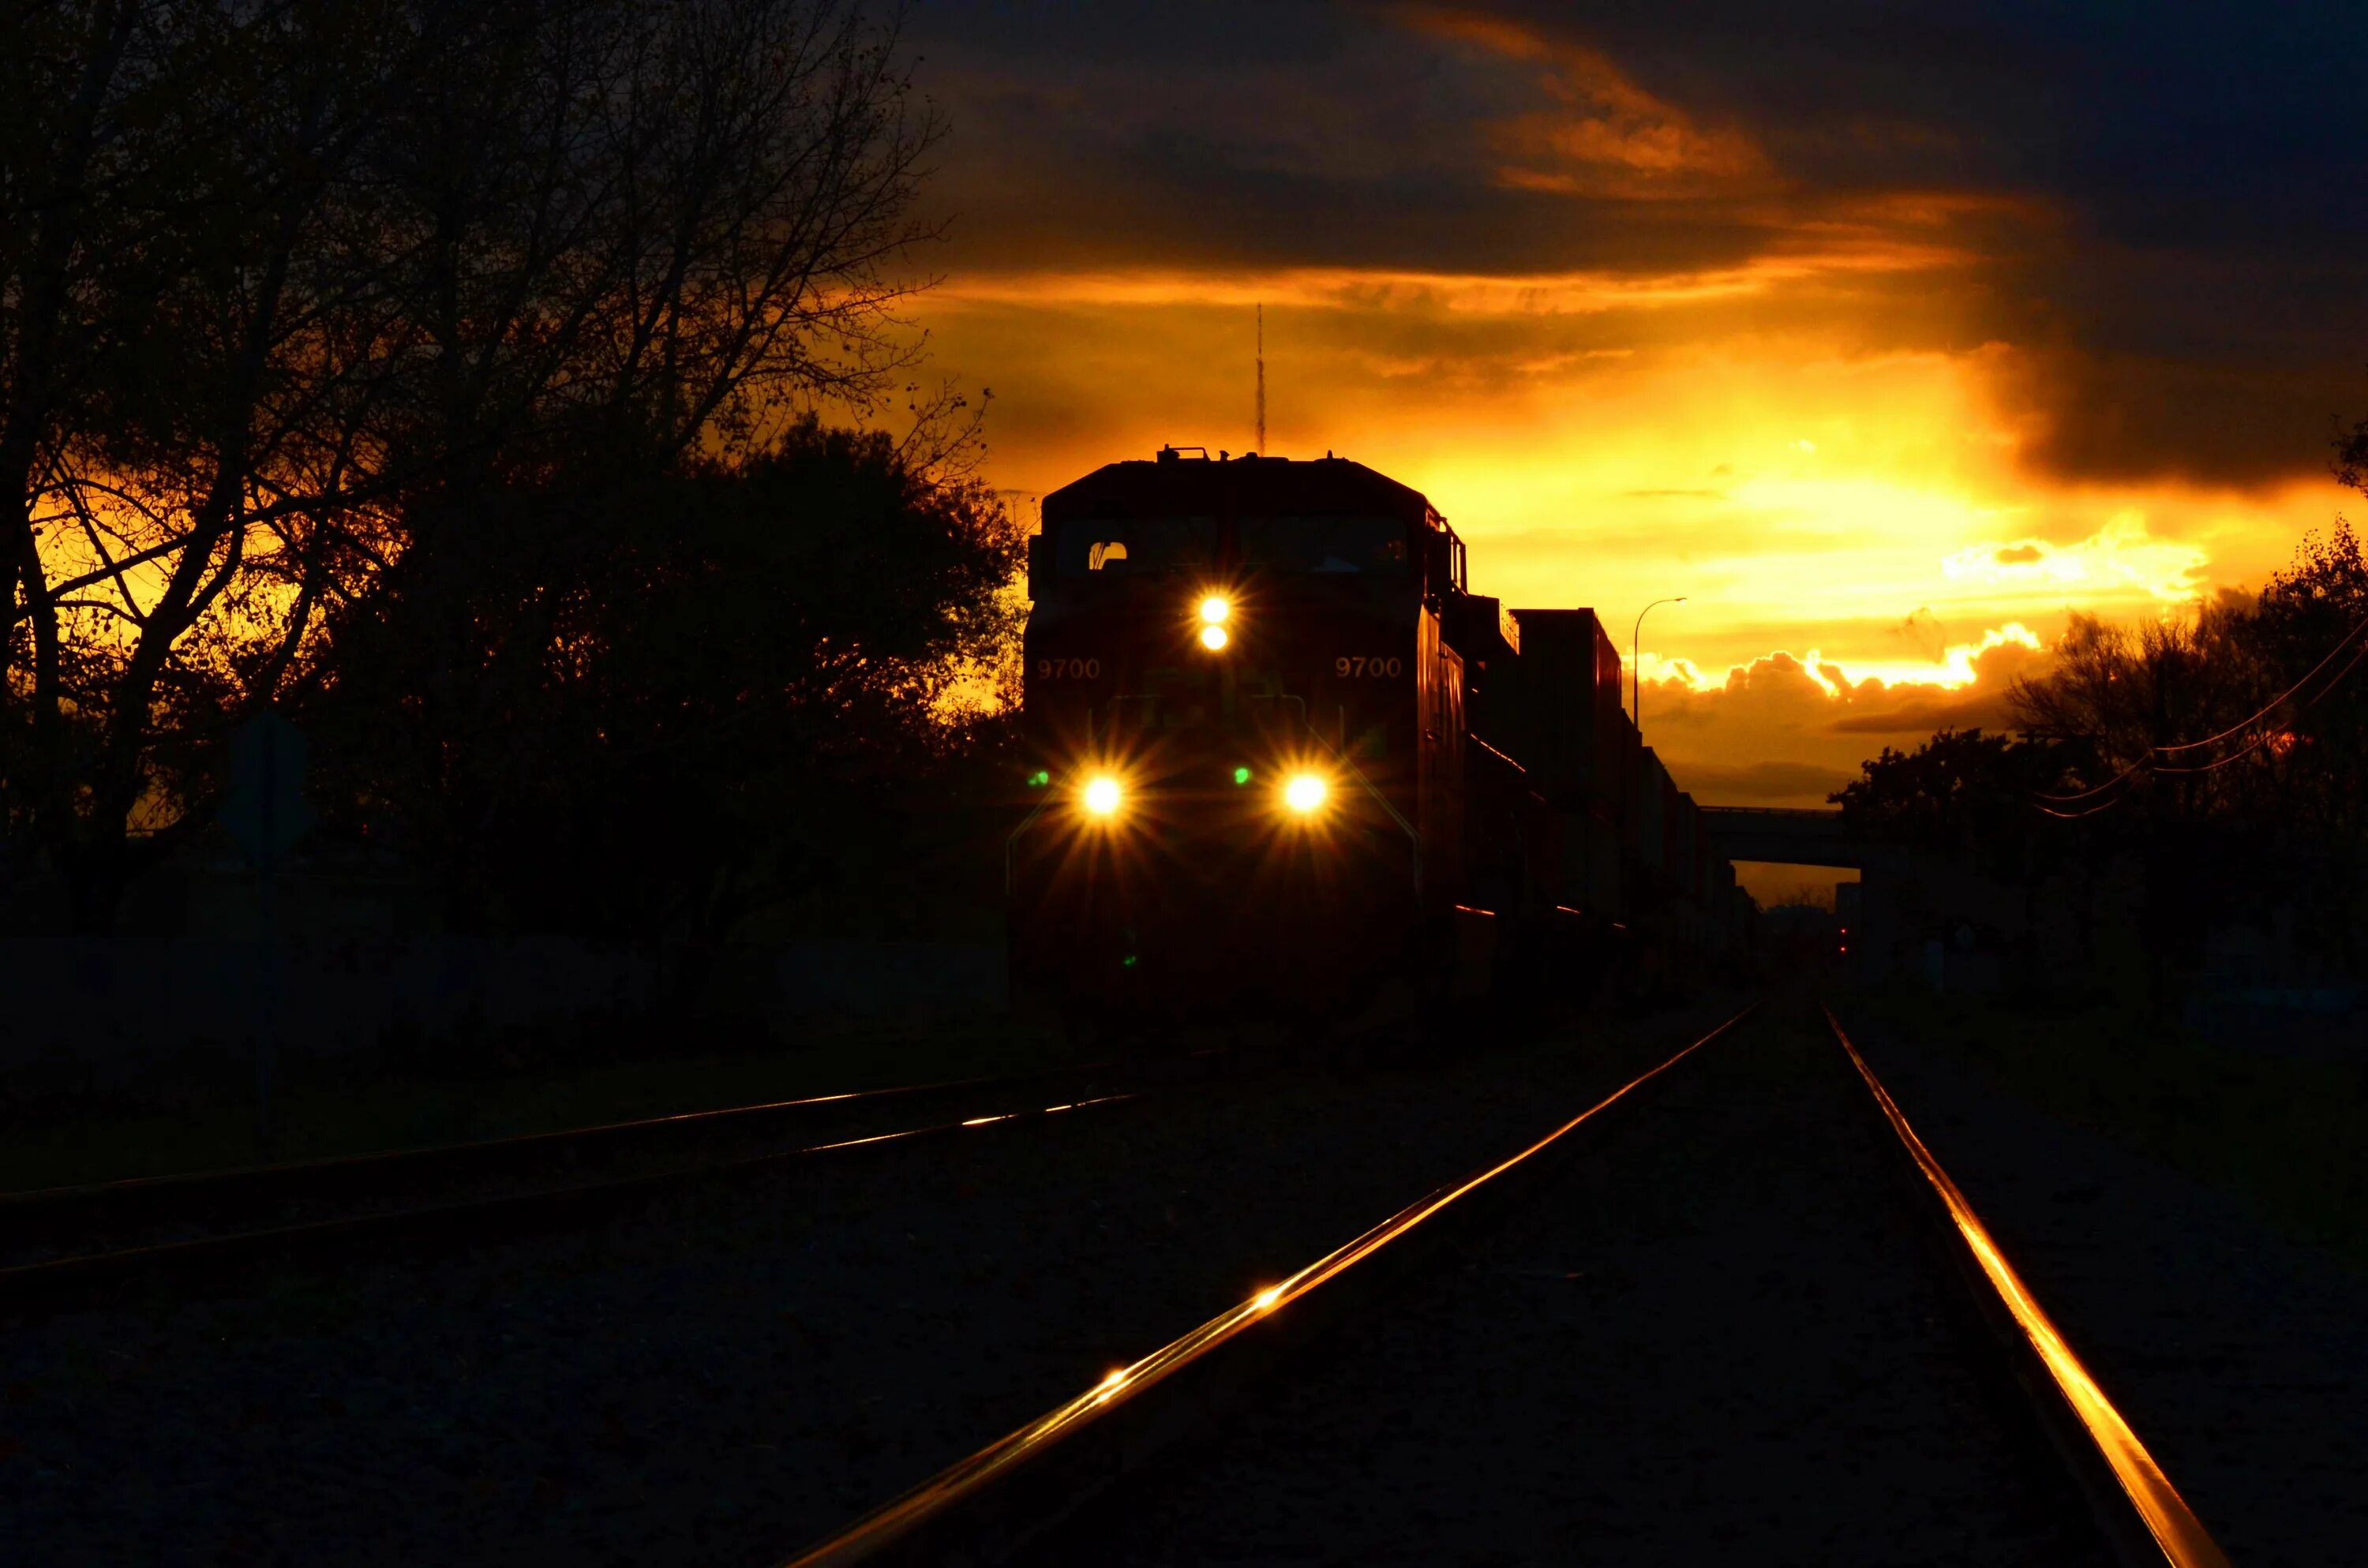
[(1362, 546), (1373, 545), (1138, 545)]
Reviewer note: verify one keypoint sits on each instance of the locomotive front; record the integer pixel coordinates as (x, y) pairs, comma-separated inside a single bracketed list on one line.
[(1236, 698)]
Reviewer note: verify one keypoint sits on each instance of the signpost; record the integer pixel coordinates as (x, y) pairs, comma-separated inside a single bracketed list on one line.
[(265, 813)]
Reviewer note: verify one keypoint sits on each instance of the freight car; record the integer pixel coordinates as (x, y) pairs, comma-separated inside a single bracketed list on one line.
[(1281, 756)]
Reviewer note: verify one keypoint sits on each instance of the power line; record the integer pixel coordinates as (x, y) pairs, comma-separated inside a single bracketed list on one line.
[(2271, 705), (2076, 816), (2258, 741), (2044, 803), (2122, 777)]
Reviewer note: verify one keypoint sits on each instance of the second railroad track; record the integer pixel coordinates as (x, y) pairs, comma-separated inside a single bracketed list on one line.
[(63, 1242)]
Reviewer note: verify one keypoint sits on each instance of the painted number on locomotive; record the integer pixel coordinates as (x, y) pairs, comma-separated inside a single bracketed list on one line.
[(1351, 668), (1068, 669)]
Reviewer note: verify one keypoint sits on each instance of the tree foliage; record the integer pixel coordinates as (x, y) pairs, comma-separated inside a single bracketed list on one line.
[(2244, 712), (293, 295), (2221, 757), (652, 704), (1963, 792)]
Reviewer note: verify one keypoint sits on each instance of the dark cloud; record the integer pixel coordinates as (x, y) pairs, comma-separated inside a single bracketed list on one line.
[(1920, 715), (2092, 415), (2160, 210)]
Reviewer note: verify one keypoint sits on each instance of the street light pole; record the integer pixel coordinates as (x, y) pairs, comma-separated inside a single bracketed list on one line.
[(1635, 661)]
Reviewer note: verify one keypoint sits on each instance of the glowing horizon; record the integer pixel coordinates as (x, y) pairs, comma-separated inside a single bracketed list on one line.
[(1865, 515)]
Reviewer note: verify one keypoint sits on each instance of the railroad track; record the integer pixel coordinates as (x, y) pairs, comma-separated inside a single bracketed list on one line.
[(1175, 1439), (2122, 1482), (59, 1244)]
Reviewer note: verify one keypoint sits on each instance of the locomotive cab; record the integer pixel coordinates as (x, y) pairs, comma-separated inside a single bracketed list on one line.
[(1246, 735), (1282, 756)]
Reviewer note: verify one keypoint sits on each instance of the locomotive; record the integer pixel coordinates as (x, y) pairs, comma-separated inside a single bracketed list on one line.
[(1281, 758)]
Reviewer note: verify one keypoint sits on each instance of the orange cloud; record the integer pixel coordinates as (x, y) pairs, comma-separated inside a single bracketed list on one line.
[(1834, 258), (1950, 666), (1803, 724), (2121, 556)]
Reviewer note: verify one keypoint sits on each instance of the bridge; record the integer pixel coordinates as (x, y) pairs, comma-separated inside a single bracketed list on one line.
[(1792, 837)]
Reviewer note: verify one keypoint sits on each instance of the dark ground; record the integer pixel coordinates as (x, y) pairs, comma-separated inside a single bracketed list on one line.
[(2240, 1354), (1755, 1361), (727, 1374)]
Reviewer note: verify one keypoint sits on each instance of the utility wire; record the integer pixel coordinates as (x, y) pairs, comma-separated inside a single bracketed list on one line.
[(2246, 750), (2122, 777), (2076, 816), (2271, 705), (2045, 803), (2260, 739)]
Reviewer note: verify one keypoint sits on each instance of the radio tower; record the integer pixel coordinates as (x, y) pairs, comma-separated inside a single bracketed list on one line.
[(1261, 379)]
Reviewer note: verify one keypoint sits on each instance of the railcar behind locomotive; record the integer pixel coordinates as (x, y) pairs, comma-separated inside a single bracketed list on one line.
[(1282, 757)]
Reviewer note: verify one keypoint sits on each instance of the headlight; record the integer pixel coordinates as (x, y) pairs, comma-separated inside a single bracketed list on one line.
[(1101, 796), (1213, 638), (1306, 793), (1213, 610)]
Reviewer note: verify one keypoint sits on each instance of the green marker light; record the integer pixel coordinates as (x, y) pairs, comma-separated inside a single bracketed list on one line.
[(1037, 779), (1127, 962), (1241, 775)]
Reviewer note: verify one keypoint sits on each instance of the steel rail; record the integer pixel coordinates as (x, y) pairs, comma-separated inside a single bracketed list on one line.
[(883, 1528), (293, 1172), (87, 1269), (39, 1224), (2173, 1525)]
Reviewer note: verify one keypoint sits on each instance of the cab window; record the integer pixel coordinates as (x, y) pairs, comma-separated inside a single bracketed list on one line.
[(1371, 546), (1134, 545)]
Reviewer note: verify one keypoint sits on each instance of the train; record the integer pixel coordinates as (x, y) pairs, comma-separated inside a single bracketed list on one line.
[(1279, 756)]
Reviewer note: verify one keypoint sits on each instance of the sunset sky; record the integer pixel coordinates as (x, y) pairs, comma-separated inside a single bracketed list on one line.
[(1888, 335)]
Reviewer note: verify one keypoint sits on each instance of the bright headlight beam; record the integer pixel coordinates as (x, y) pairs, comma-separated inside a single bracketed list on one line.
[(1214, 610), (1101, 796), (1305, 793), (1213, 638)]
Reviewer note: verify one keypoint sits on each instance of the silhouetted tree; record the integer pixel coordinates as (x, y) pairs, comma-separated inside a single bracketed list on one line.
[(2125, 693), (2350, 465), (2235, 713), (685, 693), (2225, 753), (1966, 793), (286, 291), (2317, 750)]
